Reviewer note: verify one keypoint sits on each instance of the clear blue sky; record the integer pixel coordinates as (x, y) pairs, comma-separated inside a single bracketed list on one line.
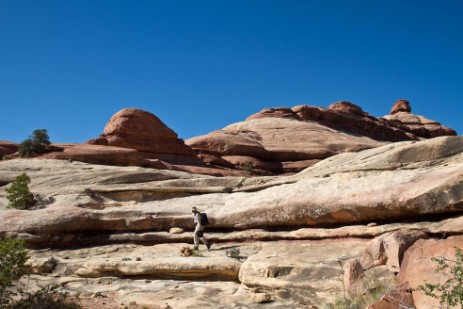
[(68, 66)]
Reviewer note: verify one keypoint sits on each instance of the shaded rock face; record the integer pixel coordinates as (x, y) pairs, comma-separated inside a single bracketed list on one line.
[(388, 249), (7, 148), (287, 140)]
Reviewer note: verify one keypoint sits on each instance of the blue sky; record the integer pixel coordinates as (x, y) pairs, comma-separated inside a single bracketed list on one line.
[(68, 66)]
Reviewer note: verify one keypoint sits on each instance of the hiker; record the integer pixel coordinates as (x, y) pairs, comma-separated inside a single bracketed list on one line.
[(199, 229)]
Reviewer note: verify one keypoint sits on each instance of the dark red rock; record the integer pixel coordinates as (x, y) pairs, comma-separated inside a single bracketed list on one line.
[(401, 106), (345, 106), (7, 147)]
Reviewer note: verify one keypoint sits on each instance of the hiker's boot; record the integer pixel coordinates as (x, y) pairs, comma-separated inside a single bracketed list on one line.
[(208, 247), (195, 248)]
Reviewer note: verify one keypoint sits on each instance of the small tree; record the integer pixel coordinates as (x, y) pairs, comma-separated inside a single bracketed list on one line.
[(13, 257), (451, 292), (35, 144), (18, 194)]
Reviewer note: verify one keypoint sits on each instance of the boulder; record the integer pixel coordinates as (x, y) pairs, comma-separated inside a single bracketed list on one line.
[(399, 297), (388, 249), (353, 278), (418, 267), (401, 106)]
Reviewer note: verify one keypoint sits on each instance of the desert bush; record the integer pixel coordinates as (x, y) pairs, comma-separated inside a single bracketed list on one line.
[(376, 288), (18, 194), (35, 144), (234, 253), (46, 298), (248, 167), (449, 293), (13, 257)]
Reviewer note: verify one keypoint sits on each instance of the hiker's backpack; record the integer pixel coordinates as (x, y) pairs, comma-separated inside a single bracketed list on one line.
[(203, 219)]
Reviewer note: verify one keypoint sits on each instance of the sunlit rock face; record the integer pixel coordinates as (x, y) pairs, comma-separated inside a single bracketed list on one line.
[(287, 140), (286, 241), (141, 130), (420, 126)]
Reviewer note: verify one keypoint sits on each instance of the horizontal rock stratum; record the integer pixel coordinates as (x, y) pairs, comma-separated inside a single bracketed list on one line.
[(396, 181), (282, 140), (273, 141), (370, 205)]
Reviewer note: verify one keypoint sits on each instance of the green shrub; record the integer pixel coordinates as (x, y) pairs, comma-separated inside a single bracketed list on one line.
[(18, 194), (248, 167), (376, 287), (13, 257), (451, 292), (46, 298), (35, 144), (234, 253)]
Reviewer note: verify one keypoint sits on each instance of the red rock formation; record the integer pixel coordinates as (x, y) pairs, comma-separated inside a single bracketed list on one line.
[(418, 125), (287, 140), (345, 106), (151, 142), (273, 141), (418, 268), (389, 248), (7, 148), (401, 106), (399, 297), (106, 155), (137, 129)]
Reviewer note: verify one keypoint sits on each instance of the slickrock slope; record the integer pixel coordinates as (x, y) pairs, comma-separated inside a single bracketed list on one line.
[(282, 140), (298, 235)]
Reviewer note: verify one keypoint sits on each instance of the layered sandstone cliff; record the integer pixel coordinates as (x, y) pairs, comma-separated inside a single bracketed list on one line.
[(304, 239), (286, 140)]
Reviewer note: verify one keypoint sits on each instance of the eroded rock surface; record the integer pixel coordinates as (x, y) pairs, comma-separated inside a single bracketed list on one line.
[(293, 232), (287, 140), (422, 127), (397, 181), (137, 129), (418, 268)]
